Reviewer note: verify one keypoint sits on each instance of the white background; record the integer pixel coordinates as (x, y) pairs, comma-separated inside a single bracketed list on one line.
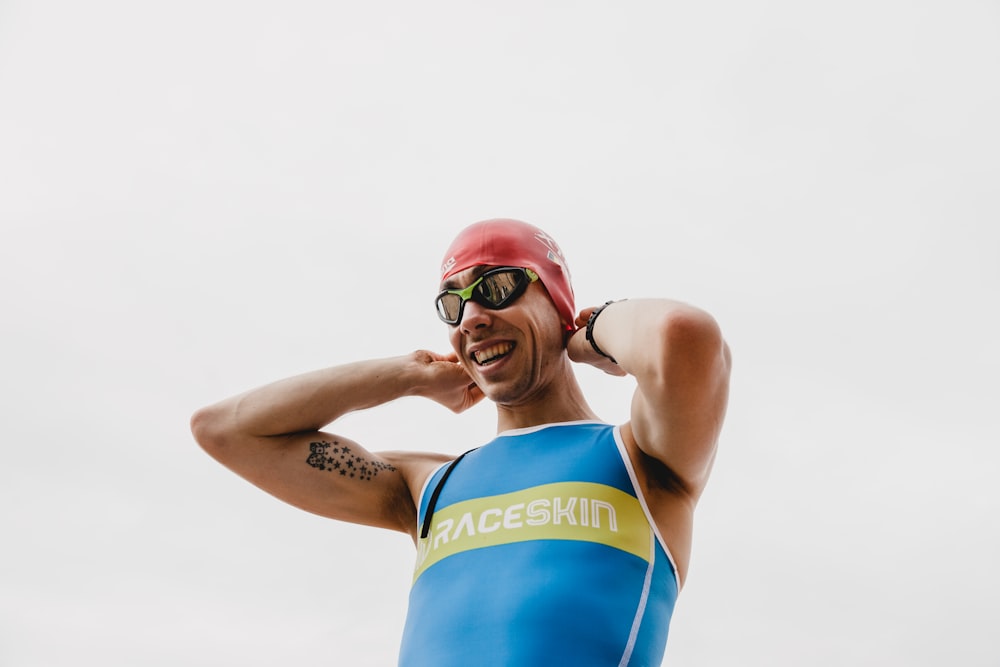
[(200, 197)]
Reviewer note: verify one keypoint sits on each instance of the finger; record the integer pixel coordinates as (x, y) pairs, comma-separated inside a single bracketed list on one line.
[(475, 393)]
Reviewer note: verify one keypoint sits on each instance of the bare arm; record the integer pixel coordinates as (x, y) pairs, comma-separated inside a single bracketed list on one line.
[(681, 365), (271, 436)]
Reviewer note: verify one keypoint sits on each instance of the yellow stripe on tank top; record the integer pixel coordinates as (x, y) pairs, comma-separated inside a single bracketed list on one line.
[(580, 511)]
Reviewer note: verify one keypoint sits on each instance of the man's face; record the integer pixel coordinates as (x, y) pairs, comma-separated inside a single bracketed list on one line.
[(510, 353)]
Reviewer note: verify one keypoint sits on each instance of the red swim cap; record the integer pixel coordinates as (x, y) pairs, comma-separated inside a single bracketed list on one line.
[(505, 242)]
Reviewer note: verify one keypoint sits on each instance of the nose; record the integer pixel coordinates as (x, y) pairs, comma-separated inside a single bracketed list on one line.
[(474, 316)]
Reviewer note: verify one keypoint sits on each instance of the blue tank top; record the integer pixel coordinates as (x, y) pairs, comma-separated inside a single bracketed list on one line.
[(541, 552)]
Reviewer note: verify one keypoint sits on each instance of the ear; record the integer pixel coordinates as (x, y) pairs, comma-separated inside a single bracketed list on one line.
[(568, 331)]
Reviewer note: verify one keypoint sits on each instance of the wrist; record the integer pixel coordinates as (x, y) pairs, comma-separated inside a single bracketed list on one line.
[(591, 322), (414, 375)]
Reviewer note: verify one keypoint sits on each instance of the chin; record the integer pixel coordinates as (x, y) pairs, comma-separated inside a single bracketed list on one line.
[(511, 395), (500, 393)]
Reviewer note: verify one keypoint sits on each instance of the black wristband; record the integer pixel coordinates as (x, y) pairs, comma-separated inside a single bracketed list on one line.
[(590, 331)]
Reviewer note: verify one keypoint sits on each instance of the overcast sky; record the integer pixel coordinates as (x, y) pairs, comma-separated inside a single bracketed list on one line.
[(200, 197)]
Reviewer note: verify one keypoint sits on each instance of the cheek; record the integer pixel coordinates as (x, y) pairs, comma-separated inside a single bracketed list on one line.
[(549, 326), (545, 311), (546, 332), (456, 340)]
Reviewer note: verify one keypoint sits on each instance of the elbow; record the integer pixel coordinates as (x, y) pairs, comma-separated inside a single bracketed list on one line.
[(693, 331), (691, 346), (207, 427)]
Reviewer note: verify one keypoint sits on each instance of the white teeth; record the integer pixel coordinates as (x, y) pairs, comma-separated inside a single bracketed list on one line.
[(491, 353)]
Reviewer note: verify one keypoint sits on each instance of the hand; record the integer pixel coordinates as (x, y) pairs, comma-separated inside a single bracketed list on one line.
[(444, 380), (581, 351)]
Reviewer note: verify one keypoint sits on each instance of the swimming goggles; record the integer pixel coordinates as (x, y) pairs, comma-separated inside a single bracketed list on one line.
[(495, 289)]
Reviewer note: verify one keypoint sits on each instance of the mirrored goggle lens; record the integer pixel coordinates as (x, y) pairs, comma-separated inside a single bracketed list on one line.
[(449, 307), (497, 288)]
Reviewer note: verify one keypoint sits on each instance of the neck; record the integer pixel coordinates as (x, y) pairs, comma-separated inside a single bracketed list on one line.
[(559, 401)]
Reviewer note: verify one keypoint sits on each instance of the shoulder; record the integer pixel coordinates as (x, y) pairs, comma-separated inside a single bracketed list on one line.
[(415, 468)]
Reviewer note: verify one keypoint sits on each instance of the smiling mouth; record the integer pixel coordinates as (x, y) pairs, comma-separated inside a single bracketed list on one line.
[(492, 354)]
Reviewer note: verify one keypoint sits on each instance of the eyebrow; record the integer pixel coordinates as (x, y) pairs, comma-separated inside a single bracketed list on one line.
[(477, 271)]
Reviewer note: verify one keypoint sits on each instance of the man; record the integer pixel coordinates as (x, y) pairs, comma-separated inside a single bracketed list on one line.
[(564, 541)]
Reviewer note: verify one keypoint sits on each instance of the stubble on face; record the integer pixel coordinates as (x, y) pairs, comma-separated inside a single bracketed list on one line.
[(534, 326)]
